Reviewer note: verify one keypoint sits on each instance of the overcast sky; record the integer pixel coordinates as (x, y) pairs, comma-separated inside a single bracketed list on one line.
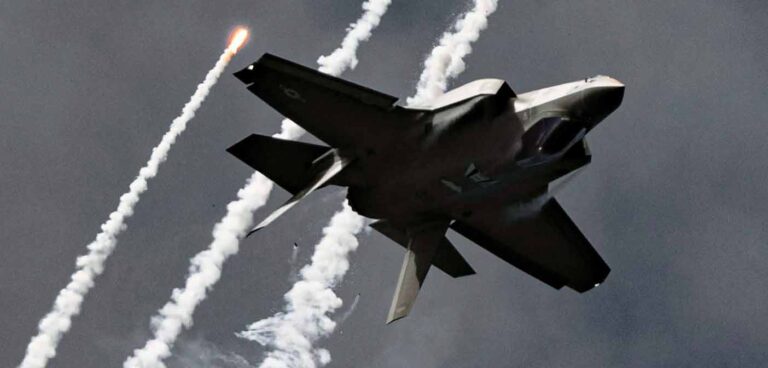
[(674, 199)]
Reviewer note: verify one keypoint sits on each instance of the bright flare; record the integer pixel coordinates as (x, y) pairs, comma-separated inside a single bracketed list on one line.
[(237, 39)]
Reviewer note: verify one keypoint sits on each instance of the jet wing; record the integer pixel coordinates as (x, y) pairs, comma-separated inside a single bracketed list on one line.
[(340, 113), (547, 245)]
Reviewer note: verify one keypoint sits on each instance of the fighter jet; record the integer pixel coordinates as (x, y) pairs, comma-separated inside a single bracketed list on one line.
[(480, 160)]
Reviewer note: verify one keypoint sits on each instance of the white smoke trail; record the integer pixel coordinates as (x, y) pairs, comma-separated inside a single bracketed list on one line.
[(310, 300), (351, 309), (345, 57), (199, 353), (205, 270), (67, 304), (292, 333), (294, 254), (447, 58)]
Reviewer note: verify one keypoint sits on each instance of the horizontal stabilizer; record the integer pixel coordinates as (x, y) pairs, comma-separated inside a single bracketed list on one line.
[(447, 258), (287, 163), (334, 163)]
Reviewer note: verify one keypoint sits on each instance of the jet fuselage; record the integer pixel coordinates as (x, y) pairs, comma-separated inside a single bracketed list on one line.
[(478, 160), (488, 148)]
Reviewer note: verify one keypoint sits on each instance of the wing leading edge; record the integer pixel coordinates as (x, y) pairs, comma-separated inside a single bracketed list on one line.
[(340, 113), (547, 245)]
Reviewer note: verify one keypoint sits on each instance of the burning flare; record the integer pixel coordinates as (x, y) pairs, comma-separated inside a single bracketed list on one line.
[(237, 39)]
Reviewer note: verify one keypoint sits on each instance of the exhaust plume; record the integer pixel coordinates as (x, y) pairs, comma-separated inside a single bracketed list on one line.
[(292, 333), (447, 58), (69, 300), (205, 268)]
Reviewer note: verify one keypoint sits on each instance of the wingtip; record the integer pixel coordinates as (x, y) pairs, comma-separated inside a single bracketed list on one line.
[(253, 231), (248, 74), (398, 310), (392, 318), (463, 273)]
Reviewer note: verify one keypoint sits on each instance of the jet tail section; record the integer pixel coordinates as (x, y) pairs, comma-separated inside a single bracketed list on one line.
[(447, 257), (422, 247), (333, 164), (300, 168)]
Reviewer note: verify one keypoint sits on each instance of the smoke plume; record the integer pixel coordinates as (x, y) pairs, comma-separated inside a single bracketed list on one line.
[(345, 57), (351, 309), (52, 327), (447, 58), (294, 254), (292, 333), (204, 272), (205, 268), (199, 353), (310, 300)]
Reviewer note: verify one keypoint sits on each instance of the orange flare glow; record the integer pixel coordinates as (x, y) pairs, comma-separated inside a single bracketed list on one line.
[(237, 38)]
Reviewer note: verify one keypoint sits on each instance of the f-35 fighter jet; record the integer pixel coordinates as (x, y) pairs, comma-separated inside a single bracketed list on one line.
[(479, 159)]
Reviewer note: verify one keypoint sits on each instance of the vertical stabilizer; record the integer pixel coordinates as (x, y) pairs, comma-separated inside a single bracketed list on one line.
[(447, 258), (422, 247)]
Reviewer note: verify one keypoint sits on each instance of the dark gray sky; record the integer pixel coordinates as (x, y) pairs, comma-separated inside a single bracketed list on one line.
[(674, 200)]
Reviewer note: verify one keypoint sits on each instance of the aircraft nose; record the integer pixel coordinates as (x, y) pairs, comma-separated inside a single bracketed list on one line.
[(600, 101), (609, 98)]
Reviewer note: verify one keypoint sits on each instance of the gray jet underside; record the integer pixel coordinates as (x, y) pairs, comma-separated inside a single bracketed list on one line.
[(479, 160)]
